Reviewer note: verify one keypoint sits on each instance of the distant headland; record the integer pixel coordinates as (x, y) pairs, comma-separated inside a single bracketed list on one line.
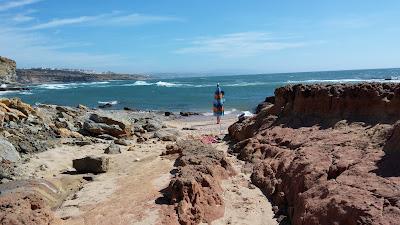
[(9, 74)]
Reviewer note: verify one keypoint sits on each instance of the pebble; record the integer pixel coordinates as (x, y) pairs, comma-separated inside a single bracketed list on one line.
[(43, 167)]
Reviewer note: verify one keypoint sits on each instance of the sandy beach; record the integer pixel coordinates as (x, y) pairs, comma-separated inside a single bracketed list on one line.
[(129, 192), (292, 161)]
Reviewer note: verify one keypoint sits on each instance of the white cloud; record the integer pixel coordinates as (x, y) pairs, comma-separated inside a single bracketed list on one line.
[(24, 17), (16, 3), (21, 18), (63, 22), (24, 41), (349, 23), (34, 49), (110, 19), (238, 44)]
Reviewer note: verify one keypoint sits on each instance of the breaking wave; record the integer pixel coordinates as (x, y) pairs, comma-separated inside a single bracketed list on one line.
[(109, 102), (62, 86)]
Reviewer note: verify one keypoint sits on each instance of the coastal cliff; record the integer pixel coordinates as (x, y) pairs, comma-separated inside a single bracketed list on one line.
[(40, 76), (327, 154), (7, 70), (9, 74)]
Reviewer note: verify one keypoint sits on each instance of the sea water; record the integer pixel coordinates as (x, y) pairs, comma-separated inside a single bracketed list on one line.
[(242, 92)]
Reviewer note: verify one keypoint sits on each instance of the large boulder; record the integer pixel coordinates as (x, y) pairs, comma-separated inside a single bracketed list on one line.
[(153, 125), (8, 151), (7, 70), (17, 104), (98, 125), (96, 129), (91, 164), (167, 134)]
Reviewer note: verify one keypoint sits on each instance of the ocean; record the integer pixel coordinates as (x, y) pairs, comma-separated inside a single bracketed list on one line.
[(242, 92)]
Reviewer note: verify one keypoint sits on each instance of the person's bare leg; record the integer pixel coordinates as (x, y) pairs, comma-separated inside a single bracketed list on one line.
[(218, 119)]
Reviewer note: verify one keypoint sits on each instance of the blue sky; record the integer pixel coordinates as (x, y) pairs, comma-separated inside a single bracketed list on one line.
[(208, 36)]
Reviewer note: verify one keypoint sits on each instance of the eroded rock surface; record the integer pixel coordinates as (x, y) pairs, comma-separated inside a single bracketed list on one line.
[(196, 191), (31, 201), (327, 154), (7, 70), (24, 209)]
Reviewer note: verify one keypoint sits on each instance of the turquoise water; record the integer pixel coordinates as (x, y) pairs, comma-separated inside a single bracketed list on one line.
[(242, 92)]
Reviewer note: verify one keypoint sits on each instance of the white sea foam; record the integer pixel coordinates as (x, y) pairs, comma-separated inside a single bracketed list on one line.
[(93, 83), (139, 83), (227, 112), (109, 102), (208, 114), (7, 92), (248, 114), (244, 84), (61, 86), (230, 111), (26, 93), (57, 86), (167, 84)]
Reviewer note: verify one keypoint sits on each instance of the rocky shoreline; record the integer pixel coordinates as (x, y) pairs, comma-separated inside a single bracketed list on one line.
[(326, 154), (13, 79), (322, 154)]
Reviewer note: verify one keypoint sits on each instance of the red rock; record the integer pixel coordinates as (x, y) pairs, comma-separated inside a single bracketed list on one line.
[(19, 208), (327, 154), (196, 191)]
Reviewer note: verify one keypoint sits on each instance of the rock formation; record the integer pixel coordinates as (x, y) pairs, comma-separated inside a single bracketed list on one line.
[(91, 164), (7, 70), (98, 125), (327, 154), (196, 191), (31, 201)]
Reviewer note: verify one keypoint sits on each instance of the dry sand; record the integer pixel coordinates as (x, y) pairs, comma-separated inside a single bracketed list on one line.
[(127, 193)]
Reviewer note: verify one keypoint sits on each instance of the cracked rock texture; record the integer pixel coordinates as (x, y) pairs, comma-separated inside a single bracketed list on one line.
[(195, 191), (327, 154)]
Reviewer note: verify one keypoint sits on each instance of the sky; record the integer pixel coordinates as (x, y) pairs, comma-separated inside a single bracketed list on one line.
[(207, 36)]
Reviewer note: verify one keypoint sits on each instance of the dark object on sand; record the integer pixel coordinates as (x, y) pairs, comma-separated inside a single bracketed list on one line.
[(189, 113), (107, 105), (189, 128), (168, 113), (91, 164), (129, 109)]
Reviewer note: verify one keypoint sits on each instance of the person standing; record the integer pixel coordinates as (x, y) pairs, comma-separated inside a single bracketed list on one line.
[(218, 105)]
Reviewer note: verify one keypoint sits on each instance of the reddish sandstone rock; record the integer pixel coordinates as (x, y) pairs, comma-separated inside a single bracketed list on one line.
[(327, 154), (24, 209), (196, 191)]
